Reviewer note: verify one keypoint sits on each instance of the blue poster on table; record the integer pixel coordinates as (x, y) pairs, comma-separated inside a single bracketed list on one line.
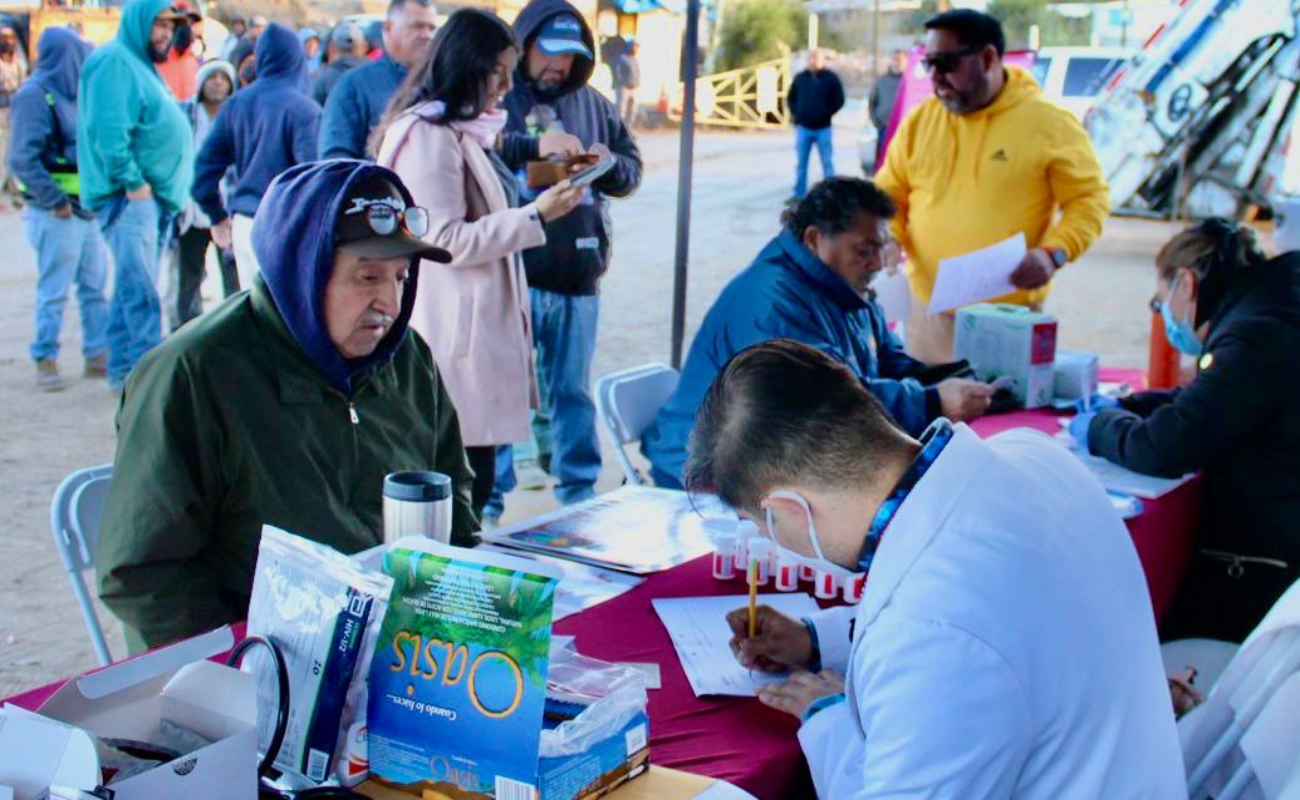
[(458, 680)]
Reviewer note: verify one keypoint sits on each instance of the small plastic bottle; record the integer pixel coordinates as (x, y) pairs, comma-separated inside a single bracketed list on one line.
[(760, 550), (825, 586), (787, 573), (854, 585), (746, 531), (724, 557)]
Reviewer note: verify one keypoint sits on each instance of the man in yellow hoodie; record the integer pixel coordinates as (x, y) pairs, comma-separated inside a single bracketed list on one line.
[(985, 158)]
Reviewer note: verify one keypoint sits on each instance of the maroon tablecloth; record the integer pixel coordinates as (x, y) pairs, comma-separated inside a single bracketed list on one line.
[(741, 741)]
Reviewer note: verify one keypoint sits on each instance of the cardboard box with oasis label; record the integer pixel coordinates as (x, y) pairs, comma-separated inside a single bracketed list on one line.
[(465, 685), (1015, 343)]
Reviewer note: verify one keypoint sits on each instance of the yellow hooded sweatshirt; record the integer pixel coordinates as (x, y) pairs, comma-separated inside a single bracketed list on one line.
[(963, 182)]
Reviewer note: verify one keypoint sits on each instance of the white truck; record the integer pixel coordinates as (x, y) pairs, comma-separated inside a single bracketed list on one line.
[(1198, 122)]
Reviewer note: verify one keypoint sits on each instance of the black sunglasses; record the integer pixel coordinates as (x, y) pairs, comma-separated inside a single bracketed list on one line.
[(945, 62)]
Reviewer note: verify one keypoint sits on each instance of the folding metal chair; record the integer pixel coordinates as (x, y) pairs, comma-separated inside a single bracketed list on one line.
[(74, 519), (1271, 746), (627, 402)]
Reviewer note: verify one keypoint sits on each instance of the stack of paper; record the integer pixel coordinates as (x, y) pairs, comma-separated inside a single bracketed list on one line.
[(701, 637)]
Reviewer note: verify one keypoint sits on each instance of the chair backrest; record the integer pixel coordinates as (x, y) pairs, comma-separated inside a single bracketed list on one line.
[(75, 514), (1271, 746), (1212, 734), (627, 402)]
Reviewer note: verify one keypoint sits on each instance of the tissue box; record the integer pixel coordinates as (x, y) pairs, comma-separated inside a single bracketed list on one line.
[(1077, 375), (177, 684), (1013, 342)]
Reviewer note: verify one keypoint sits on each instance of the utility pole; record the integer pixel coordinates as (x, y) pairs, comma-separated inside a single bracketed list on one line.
[(875, 41)]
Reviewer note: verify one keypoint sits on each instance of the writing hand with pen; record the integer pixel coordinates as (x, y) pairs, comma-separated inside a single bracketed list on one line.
[(779, 644)]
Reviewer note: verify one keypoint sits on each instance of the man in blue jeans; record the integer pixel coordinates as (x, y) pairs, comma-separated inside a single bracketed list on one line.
[(551, 99), (43, 156), (135, 157), (816, 96)]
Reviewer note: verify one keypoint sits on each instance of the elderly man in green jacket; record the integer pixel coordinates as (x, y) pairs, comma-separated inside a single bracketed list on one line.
[(285, 406)]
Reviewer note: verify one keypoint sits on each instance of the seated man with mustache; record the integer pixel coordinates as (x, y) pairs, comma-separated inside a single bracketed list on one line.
[(285, 406)]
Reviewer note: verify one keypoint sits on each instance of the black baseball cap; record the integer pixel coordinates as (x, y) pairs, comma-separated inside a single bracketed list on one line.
[(376, 222)]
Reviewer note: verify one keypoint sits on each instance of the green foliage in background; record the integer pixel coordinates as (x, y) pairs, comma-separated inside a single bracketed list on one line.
[(1017, 17), (759, 30), (1054, 30)]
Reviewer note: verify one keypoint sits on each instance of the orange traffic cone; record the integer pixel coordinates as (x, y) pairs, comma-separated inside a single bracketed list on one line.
[(1163, 361)]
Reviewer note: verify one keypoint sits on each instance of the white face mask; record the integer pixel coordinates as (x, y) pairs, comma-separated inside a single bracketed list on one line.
[(820, 562)]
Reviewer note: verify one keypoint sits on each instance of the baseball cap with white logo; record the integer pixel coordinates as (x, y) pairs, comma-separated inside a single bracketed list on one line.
[(562, 34)]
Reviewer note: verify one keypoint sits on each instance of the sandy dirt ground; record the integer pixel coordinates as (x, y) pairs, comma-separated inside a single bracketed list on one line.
[(741, 181)]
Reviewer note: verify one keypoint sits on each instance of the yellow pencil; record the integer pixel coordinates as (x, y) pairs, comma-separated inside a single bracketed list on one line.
[(752, 576)]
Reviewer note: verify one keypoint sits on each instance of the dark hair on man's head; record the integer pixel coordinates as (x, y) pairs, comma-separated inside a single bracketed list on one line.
[(782, 413), (834, 204), (972, 28), (397, 5), (455, 70)]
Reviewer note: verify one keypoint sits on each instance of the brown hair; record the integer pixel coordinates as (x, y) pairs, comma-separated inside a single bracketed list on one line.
[(1195, 249), (782, 412)]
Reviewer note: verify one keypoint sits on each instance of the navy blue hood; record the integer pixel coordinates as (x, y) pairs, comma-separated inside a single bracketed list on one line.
[(530, 21), (60, 55), (279, 54), (293, 236)]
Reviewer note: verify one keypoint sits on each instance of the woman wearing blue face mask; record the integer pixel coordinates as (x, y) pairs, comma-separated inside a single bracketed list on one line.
[(1238, 314)]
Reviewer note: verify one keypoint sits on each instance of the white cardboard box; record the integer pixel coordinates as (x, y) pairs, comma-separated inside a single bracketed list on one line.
[(177, 683), (1013, 342)]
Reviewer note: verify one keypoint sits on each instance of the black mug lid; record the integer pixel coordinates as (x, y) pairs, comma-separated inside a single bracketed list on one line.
[(417, 486)]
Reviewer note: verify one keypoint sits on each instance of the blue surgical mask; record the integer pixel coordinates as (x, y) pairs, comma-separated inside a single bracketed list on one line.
[(1180, 333)]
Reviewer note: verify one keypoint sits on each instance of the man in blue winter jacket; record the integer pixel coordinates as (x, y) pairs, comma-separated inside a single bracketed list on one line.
[(69, 249), (551, 103), (261, 131), (812, 284), (359, 98)]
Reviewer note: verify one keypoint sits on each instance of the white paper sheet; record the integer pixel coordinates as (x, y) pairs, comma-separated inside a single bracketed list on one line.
[(977, 276), (701, 636), (1125, 481)]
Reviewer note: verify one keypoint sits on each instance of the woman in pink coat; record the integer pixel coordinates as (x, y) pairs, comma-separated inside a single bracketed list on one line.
[(439, 134)]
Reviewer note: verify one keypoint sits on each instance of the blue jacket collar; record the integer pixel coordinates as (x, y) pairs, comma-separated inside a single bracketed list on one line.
[(816, 272)]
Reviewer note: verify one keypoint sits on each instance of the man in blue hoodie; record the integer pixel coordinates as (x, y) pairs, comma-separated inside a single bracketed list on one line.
[(285, 406), (69, 249), (260, 131), (551, 98), (359, 98), (812, 284), (135, 156)]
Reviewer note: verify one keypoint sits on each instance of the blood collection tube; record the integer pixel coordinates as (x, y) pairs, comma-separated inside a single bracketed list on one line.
[(853, 587), (724, 557), (787, 573), (807, 573), (825, 586), (746, 531), (760, 550)]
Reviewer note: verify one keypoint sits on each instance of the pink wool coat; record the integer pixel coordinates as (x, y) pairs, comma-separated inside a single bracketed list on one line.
[(473, 312)]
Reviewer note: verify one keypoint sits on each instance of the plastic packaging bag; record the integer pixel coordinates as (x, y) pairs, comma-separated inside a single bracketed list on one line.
[(324, 612), (612, 694)]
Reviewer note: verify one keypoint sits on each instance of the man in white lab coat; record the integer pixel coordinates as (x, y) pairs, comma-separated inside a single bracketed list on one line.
[(1005, 646)]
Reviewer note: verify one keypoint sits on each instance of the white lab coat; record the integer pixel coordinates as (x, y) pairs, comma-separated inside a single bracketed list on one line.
[(1005, 646)]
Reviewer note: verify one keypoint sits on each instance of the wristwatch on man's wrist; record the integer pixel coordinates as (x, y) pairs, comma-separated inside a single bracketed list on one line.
[(1059, 256)]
